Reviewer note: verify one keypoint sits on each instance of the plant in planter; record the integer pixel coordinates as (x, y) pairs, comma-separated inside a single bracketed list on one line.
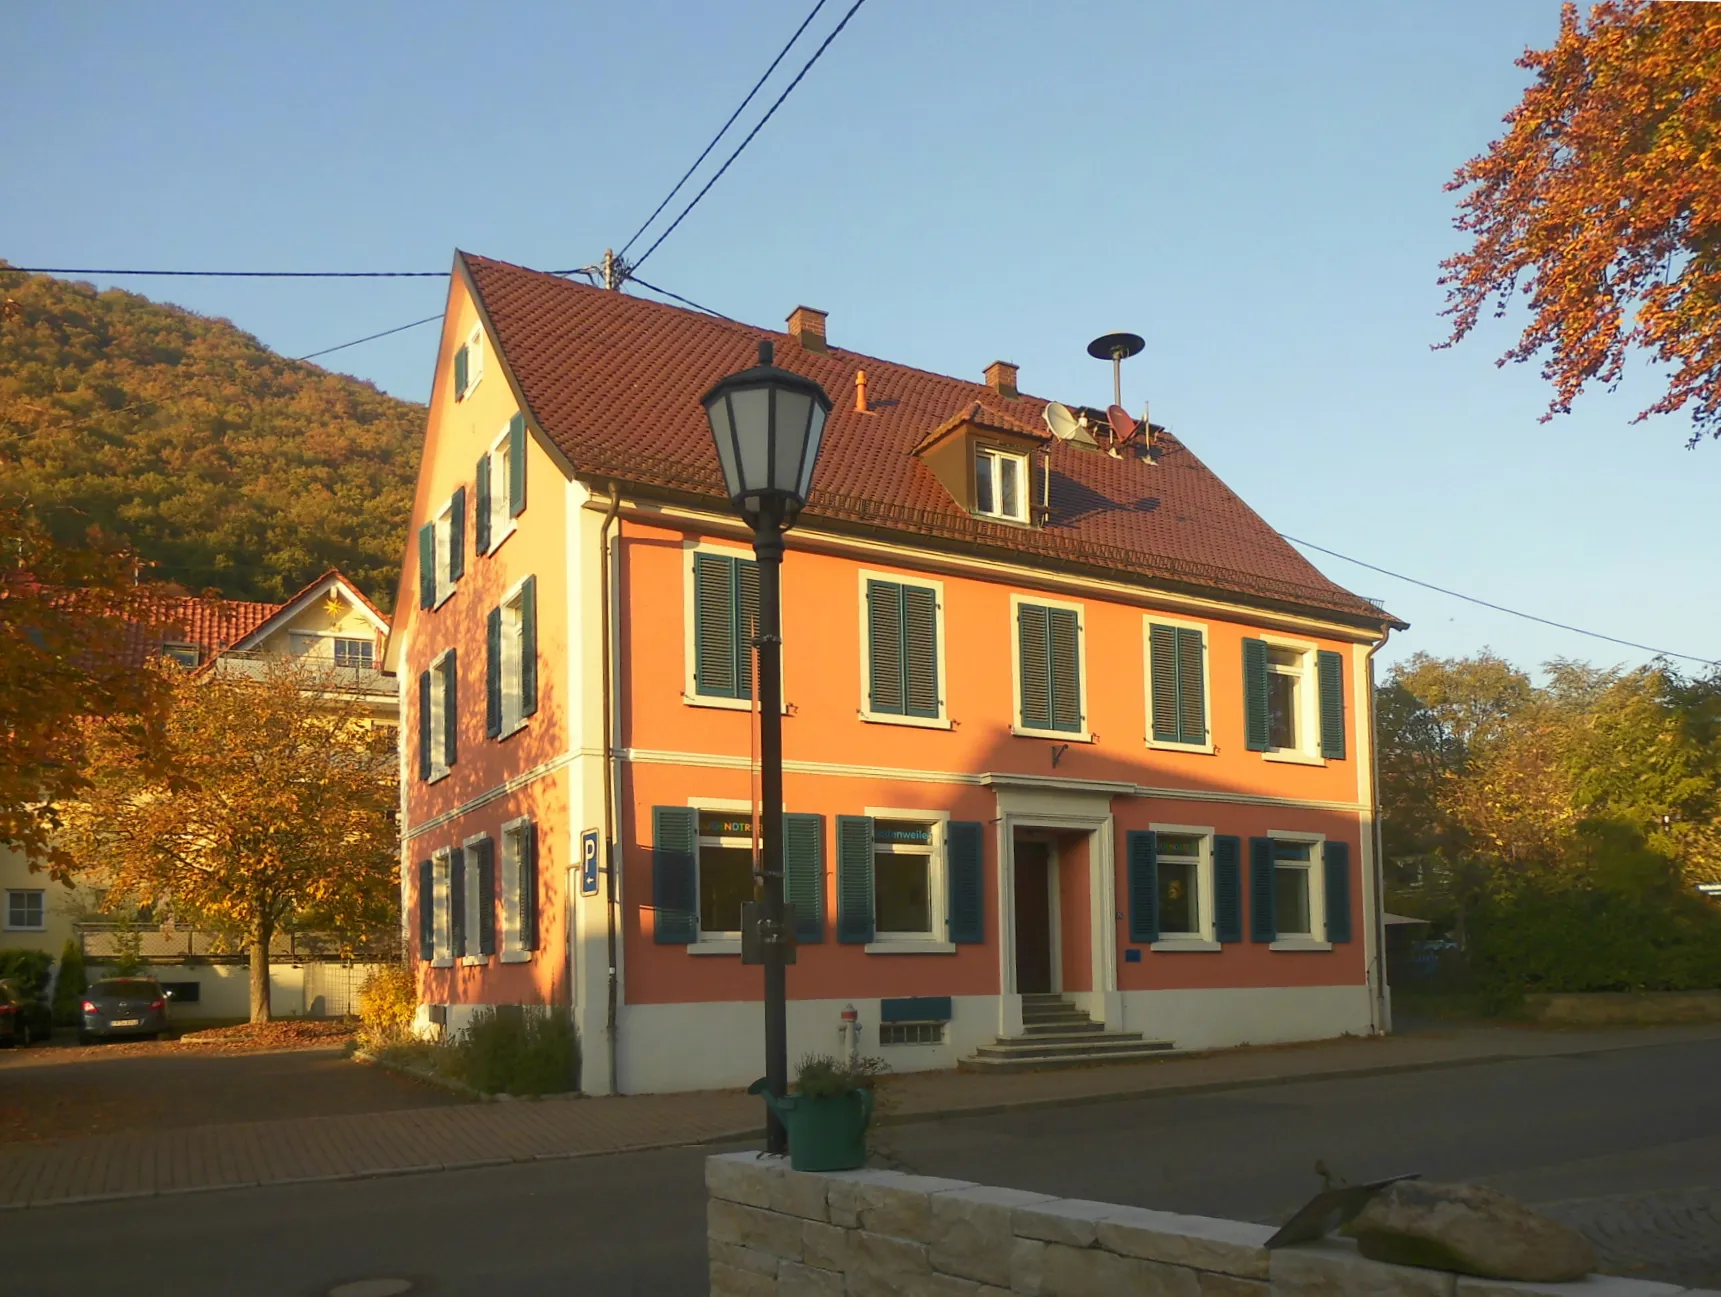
[(827, 1111)]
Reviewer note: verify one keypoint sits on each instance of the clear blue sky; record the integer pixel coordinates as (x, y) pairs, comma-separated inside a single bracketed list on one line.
[(1256, 188)]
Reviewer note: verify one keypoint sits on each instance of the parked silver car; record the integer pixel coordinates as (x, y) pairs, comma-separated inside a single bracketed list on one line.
[(123, 1006)]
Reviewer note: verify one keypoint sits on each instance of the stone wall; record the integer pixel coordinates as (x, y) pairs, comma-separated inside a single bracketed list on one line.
[(779, 1233)]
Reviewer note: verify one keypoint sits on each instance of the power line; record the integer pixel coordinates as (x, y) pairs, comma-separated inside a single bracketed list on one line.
[(372, 337), (817, 54), (237, 274), (683, 300), (1557, 625), (726, 125)]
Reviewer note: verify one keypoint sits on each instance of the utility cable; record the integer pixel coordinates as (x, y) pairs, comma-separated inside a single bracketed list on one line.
[(237, 274), (1557, 625), (725, 130), (683, 300), (372, 337), (807, 67)]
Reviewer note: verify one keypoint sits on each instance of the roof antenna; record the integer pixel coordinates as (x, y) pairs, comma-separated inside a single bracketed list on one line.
[(1117, 347), (614, 270)]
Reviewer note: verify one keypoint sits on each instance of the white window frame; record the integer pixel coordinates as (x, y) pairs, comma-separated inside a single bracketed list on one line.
[(474, 358), (1317, 934), (168, 648), (502, 524), (335, 642), (993, 455), (439, 718), (41, 896), (509, 845), (689, 655), (1307, 752), (1148, 622), (470, 960), (440, 861), (442, 553), (1201, 941), (937, 886), (942, 720), (513, 658), (716, 943), (1083, 735)]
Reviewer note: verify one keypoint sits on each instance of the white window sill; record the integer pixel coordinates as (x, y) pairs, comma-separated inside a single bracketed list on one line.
[(1301, 943), (443, 596), (498, 536), (917, 722), (1290, 758), (15, 927), (1063, 736), (1165, 745), (474, 961), (715, 946), (516, 956), (439, 773), (727, 704), (1185, 945), (442, 961), (910, 946), (511, 729)]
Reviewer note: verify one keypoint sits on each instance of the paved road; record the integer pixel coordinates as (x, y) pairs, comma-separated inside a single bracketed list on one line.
[(1632, 1136)]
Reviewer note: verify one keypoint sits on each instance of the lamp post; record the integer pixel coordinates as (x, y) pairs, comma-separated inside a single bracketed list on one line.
[(768, 424)]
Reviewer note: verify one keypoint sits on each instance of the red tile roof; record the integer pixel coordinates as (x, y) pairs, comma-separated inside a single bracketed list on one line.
[(614, 383), (211, 624)]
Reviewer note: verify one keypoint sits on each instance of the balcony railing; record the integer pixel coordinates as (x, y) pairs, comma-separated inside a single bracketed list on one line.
[(321, 672)]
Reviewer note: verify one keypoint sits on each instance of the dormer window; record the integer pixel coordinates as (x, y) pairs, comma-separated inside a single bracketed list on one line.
[(999, 476)]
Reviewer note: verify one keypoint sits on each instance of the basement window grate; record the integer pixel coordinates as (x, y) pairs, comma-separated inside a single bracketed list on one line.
[(911, 1033)]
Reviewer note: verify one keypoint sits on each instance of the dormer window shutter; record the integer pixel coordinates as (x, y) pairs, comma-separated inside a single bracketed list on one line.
[(460, 363)]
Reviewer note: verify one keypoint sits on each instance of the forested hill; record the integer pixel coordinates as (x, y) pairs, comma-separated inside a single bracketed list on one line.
[(225, 465)]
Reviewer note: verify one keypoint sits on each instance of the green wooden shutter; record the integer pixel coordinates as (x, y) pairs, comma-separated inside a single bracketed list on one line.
[(481, 507), (457, 900), (1034, 666), (427, 565), (1066, 657), (713, 626), (460, 363), (1256, 733), (920, 651), (1191, 687), (746, 623), (426, 910), (884, 647), (1336, 861), (1142, 852), (965, 870), (517, 466), (1330, 667), (457, 534), (1162, 677), (529, 646), (1263, 918), (675, 874), (485, 851), (424, 725), (804, 874), (493, 674), (1227, 888), (529, 907), (855, 920), (450, 709)]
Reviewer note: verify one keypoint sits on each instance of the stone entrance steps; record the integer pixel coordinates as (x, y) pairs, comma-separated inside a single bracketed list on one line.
[(1055, 1033)]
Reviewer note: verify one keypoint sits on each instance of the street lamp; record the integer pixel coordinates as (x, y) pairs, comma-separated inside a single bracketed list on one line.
[(768, 424)]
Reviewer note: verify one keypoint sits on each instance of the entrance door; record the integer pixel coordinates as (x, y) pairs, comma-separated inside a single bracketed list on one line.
[(1033, 918)]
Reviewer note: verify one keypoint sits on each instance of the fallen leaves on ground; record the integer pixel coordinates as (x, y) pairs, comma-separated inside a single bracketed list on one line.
[(282, 1033)]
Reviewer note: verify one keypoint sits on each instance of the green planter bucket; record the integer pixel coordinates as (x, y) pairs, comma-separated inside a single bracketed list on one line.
[(826, 1133)]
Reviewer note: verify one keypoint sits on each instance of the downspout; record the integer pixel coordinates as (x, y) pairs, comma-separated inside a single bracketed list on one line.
[(610, 902), (1383, 1004)]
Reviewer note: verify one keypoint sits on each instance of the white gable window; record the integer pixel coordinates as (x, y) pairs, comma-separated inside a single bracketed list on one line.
[(500, 487), (1000, 484), (469, 363), (442, 551)]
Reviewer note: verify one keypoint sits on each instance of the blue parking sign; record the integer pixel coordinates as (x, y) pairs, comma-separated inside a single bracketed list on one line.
[(589, 863)]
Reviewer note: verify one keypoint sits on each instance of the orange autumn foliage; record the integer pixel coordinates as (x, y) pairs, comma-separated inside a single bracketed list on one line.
[(1602, 205)]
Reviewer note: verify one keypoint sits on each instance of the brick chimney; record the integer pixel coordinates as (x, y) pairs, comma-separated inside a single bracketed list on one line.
[(1001, 378), (807, 327)]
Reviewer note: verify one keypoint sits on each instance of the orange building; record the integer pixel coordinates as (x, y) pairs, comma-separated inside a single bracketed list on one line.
[(1078, 751)]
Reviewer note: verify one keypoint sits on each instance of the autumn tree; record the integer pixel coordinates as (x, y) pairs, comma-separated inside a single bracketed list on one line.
[(68, 616), (1601, 204), (262, 798)]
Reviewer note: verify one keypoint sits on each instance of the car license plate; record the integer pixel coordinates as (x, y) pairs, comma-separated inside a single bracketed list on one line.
[(124, 1022)]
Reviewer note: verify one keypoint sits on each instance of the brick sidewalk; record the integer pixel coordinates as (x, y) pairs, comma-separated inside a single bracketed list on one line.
[(243, 1154)]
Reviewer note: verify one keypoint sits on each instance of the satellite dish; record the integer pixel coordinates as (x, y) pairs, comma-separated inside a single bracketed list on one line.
[(1123, 427), (1117, 348), (1063, 424)]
